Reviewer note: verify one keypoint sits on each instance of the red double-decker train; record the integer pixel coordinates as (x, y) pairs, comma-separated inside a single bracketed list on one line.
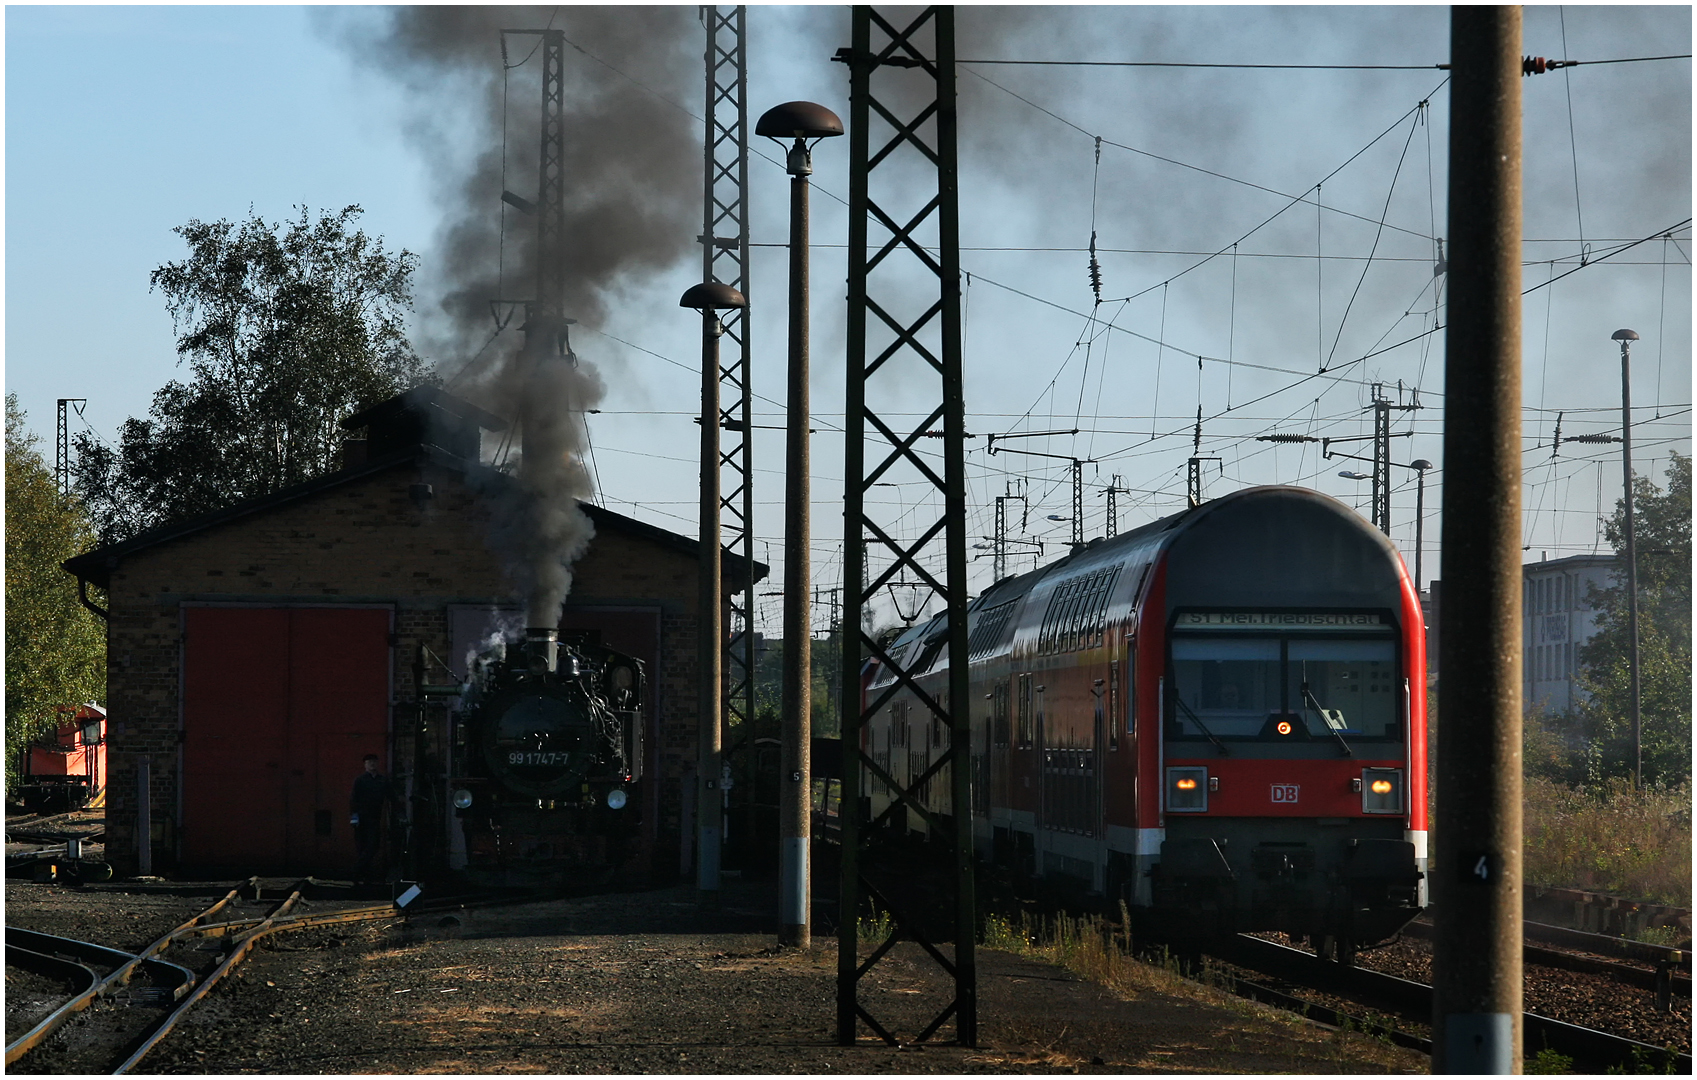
[(1218, 718)]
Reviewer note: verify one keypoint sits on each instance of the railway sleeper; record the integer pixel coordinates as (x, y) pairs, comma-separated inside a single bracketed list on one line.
[(1592, 1051)]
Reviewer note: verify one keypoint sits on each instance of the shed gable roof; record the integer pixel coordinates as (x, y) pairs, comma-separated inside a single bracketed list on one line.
[(96, 566)]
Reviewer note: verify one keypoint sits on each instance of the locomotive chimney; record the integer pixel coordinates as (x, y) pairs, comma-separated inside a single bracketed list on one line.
[(542, 645)]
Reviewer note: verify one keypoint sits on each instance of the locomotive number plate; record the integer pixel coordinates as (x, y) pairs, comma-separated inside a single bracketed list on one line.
[(536, 757), (1285, 793)]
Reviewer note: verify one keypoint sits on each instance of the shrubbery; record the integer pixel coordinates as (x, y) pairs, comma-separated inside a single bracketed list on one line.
[(1610, 838)]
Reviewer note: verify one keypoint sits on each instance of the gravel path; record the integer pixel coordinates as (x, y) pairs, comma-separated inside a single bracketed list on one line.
[(644, 983)]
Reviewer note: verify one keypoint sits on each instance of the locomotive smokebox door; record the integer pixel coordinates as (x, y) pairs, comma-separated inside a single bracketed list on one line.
[(540, 740)]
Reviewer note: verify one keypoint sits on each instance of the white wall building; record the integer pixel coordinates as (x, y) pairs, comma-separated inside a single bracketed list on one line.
[(1557, 622)]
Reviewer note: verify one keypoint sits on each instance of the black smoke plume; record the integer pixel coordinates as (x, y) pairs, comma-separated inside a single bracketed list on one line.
[(632, 198)]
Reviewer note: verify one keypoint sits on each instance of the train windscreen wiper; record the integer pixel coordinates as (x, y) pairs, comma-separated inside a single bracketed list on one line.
[(1326, 718), (1211, 736)]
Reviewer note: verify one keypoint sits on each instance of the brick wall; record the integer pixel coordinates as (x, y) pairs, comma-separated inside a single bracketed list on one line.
[(362, 542)]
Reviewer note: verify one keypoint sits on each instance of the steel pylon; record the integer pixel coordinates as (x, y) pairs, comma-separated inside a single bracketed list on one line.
[(724, 246), (904, 355)]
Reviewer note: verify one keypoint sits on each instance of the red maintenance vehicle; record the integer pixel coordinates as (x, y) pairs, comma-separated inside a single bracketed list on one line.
[(1218, 719), (66, 769)]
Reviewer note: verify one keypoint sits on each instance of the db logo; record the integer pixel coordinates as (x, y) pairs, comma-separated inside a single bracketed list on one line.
[(1284, 793)]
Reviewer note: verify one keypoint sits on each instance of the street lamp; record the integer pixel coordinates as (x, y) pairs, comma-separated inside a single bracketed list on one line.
[(806, 124), (709, 298), (1347, 475), (1419, 465), (1626, 338)]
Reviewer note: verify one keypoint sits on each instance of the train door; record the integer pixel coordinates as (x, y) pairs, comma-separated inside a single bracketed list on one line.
[(1000, 739), (1040, 746), (1105, 694), (1129, 742)]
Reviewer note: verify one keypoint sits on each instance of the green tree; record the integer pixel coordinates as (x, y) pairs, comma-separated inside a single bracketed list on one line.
[(1662, 539), (55, 648), (769, 685), (287, 329)]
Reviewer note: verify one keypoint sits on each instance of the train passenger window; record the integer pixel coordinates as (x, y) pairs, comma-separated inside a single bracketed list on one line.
[(999, 713), (1024, 714), (1354, 682), (1225, 686)]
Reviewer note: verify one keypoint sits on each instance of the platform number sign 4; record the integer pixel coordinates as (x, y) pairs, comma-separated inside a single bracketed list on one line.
[(1285, 793), (1478, 868)]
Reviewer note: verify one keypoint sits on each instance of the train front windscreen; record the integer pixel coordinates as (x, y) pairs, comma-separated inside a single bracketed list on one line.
[(1284, 687)]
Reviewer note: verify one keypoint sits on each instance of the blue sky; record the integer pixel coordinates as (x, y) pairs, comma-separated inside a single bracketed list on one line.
[(125, 122)]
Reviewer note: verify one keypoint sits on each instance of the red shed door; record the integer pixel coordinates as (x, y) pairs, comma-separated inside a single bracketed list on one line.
[(279, 707)]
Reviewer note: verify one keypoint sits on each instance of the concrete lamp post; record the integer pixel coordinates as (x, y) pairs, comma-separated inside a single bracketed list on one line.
[(709, 298), (1626, 338), (805, 124), (1419, 465)]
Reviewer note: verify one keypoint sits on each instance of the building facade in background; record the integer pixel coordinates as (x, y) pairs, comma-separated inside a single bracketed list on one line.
[(255, 655), (1556, 623)]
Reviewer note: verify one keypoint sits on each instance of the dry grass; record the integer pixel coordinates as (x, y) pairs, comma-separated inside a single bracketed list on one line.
[(1100, 952), (1610, 839)]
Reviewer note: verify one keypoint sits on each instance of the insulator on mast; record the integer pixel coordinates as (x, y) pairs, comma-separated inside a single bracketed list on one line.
[(1095, 269)]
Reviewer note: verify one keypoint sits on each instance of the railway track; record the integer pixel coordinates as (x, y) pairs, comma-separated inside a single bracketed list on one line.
[(1664, 971), (68, 847), (119, 1006), (1332, 993), (56, 828)]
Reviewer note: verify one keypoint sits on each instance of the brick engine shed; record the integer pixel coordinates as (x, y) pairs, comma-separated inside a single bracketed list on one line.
[(257, 653)]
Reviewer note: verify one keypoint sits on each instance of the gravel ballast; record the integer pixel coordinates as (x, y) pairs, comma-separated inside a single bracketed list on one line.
[(643, 982)]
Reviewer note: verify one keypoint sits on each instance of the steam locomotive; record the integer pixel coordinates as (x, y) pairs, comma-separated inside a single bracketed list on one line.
[(1218, 718), (537, 783)]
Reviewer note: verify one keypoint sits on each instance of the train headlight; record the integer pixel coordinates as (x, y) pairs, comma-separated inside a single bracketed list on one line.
[(616, 799), (1381, 791), (1187, 789), (462, 799)]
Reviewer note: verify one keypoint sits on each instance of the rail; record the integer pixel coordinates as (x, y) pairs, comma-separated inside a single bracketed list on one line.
[(183, 985), (1591, 1050), (255, 930), (57, 1018), (236, 955)]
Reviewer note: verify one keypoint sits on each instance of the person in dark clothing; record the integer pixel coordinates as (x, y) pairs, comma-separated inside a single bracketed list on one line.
[(371, 796)]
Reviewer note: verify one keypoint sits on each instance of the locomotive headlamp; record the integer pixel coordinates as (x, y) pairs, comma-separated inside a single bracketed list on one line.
[(616, 799), (1187, 789), (1381, 791), (1284, 727), (462, 799)]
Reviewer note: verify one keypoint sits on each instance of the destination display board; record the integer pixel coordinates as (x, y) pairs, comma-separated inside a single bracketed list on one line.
[(1280, 620)]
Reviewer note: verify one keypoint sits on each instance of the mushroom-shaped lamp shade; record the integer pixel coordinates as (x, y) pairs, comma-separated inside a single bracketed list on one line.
[(1624, 335), (712, 296), (800, 120), (1420, 464)]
